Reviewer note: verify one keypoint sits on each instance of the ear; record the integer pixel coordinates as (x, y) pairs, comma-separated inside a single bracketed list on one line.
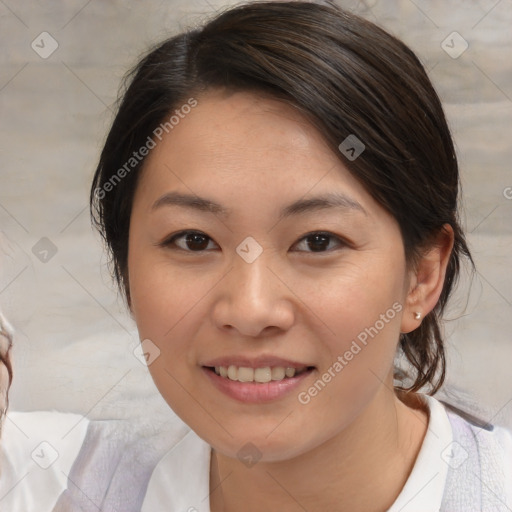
[(426, 280)]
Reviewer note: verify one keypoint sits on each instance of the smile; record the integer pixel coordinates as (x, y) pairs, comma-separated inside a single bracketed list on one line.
[(257, 385), (261, 375)]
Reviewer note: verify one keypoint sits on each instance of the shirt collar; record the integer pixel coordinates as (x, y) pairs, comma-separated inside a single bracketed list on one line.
[(424, 488), (181, 480)]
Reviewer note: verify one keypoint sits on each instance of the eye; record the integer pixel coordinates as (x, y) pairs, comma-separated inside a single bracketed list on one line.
[(189, 241), (196, 241), (319, 241)]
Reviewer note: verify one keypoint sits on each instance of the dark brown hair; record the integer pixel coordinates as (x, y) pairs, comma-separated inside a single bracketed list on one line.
[(348, 77)]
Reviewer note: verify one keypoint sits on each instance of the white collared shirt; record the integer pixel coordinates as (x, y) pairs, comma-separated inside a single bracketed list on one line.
[(181, 479), (38, 450)]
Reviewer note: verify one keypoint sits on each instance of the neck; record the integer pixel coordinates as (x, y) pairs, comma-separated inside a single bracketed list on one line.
[(362, 468)]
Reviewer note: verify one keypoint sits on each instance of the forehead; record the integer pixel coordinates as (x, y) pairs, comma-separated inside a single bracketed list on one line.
[(249, 144), (229, 125)]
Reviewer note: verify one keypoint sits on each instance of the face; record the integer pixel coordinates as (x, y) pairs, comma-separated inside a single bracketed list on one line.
[(291, 264)]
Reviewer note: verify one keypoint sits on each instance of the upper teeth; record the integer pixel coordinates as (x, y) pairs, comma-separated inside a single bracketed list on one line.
[(245, 374)]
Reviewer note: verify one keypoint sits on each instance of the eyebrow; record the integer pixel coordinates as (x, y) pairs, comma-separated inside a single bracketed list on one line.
[(325, 201)]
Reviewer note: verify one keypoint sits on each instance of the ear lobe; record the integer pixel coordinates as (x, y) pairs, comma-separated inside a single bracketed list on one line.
[(427, 280)]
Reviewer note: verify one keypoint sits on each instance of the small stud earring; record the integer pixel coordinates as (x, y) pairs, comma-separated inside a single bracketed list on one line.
[(417, 315)]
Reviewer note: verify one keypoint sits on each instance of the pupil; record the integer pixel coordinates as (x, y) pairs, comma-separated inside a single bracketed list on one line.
[(318, 238), (195, 240)]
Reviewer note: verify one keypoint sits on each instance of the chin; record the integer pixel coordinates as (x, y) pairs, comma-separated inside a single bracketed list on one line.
[(255, 443)]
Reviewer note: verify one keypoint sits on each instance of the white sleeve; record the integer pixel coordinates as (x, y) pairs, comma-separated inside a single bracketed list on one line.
[(37, 450), (504, 437)]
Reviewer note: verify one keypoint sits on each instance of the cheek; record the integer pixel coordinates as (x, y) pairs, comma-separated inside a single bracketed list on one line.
[(361, 311), (170, 306), (161, 294), (163, 301), (355, 298), (357, 359)]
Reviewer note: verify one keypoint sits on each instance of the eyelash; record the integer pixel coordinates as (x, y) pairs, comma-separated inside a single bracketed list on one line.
[(169, 243)]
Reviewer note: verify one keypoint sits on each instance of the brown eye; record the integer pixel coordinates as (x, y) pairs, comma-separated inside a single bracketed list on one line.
[(320, 242), (190, 241)]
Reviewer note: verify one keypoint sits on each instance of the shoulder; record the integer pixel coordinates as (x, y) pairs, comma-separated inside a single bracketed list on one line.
[(480, 462), (116, 461), (51, 460), (37, 450), (477, 432)]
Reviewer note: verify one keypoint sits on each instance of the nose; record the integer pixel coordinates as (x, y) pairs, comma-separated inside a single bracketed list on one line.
[(253, 300)]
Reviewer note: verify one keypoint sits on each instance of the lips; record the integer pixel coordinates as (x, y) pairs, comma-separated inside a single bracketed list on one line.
[(258, 379)]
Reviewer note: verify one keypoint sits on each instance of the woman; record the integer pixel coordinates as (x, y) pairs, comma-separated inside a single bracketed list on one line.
[(278, 193)]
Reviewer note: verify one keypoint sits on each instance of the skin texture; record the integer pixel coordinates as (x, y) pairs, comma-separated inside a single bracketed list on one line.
[(353, 445)]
